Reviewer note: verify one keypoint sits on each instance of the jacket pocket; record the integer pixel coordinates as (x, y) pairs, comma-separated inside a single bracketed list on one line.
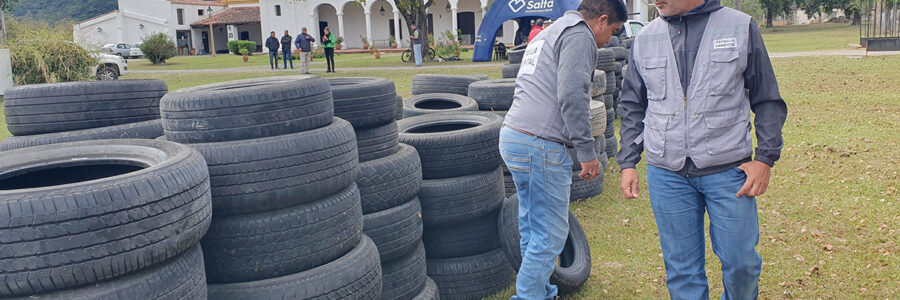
[(723, 72), (654, 74), (727, 130), (654, 136)]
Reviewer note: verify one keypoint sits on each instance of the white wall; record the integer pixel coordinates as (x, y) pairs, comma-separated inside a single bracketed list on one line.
[(87, 34)]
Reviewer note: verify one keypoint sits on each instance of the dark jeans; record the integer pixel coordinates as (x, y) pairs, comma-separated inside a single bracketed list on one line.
[(329, 58), (273, 59), (287, 57)]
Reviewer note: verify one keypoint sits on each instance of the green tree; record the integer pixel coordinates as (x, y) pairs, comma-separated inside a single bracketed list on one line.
[(773, 7), (158, 47), (850, 7)]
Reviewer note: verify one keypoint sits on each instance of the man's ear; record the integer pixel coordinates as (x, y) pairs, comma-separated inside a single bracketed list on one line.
[(603, 20)]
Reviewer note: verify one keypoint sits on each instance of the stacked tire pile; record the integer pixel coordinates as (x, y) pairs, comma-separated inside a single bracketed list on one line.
[(287, 217), (461, 196), (515, 54), (77, 111), (626, 43), (606, 62), (618, 46), (390, 176)]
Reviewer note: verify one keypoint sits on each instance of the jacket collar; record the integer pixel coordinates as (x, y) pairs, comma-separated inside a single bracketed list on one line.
[(705, 8)]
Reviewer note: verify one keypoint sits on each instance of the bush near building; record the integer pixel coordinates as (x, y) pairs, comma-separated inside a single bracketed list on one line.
[(235, 47), (42, 53), (158, 48)]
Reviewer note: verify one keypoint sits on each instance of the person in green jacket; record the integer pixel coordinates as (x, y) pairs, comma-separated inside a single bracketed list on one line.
[(328, 42)]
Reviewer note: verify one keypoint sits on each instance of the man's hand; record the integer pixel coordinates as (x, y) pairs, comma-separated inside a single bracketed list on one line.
[(630, 183), (757, 178), (590, 169)]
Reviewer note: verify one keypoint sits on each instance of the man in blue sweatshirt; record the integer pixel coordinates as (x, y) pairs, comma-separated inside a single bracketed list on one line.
[(550, 113), (696, 74)]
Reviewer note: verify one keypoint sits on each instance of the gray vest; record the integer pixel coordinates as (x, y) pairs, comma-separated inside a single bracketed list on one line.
[(710, 122), (535, 107)]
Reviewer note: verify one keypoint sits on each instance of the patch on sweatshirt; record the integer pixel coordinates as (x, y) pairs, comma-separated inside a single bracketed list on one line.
[(531, 56), (724, 43)]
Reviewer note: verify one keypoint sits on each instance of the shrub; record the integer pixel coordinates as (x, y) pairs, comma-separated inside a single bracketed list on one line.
[(235, 46), (158, 47), (41, 53)]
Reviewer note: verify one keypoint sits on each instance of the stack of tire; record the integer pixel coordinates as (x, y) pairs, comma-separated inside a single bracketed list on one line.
[(493, 95), (461, 196), (627, 44), (515, 54), (606, 62), (103, 219), (287, 219), (390, 176), (450, 84), (43, 114)]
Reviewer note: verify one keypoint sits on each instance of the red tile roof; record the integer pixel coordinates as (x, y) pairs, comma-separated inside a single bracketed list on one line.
[(198, 2), (232, 16)]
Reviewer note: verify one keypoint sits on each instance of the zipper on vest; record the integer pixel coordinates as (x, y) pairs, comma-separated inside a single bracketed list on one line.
[(685, 102)]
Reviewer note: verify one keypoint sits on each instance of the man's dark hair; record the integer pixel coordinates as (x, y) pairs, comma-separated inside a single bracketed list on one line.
[(615, 9), (539, 22)]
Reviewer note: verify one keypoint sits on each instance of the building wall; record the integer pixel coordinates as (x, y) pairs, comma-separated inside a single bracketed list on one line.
[(355, 25)]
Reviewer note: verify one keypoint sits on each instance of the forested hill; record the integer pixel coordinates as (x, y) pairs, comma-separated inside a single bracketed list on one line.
[(53, 11)]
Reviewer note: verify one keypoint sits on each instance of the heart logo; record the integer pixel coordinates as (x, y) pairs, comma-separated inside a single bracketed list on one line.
[(516, 5)]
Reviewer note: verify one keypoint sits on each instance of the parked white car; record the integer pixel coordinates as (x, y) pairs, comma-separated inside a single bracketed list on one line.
[(136, 50), (633, 28), (110, 67), (120, 49)]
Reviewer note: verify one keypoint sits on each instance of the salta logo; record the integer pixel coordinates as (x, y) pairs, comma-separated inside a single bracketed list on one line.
[(518, 5)]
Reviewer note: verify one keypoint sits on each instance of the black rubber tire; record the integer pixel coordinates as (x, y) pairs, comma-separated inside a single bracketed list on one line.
[(606, 59), (390, 181), (620, 52), (434, 83), (598, 84), (585, 189), (437, 102), (477, 235), (598, 118), (608, 102), (471, 277), (398, 112), (355, 275), (611, 83), (140, 130), (510, 70), (516, 53), (613, 42), (456, 200), (365, 102), (58, 107), (429, 292), (377, 142), (180, 277), (405, 277), (271, 173), (493, 95), (576, 253), (612, 147), (65, 226), (610, 120), (276, 243), (509, 186), (396, 231), (247, 109), (445, 152)]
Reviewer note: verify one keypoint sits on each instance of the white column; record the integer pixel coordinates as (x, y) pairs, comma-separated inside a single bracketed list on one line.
[(397, 29), (369, 28), (340, 30), (453, 11)]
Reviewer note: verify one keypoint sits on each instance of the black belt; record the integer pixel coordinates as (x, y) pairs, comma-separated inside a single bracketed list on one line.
[(540, 137)]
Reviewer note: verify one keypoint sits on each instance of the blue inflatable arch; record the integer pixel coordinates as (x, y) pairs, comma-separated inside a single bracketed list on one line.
[(504, 10)]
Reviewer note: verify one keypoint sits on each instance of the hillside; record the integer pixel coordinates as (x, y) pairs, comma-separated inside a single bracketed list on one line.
[(53, 11)]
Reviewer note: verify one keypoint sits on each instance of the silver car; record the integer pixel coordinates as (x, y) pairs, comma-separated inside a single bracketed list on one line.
[(120, 49), (136, 50)]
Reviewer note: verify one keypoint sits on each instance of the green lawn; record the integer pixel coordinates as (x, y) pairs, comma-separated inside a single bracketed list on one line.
[(796, 38), (3, 132), (235, 61)]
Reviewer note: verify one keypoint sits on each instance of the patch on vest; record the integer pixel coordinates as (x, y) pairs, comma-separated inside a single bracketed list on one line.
[(724, 43), (531, 56)]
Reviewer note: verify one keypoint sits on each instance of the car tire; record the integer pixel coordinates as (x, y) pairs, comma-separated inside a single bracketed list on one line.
[(429, 292), (140, 130), (510, 70), (438, 102), (599, 144), (58, 107), (434, 83), (620, 53), (276, 243), (355, 275), (365, 102), (390, 181), (611, 83), (516, 53), (271, 173), (455, 143), (575, 259), (478, 235), (606, 58), (395, 231), (451, 201), (598, 118), (493, 95), (610, 130), (86, 212), (405, 277), (247, 109), (612, 147), (471, 277), (107, 73), (581, 189), (598, 84), (377, 142)]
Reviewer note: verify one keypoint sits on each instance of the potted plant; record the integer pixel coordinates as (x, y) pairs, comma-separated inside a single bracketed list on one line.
[(393, 41), (377, 54), (245, 53), (365, 42), (337, 43), (193, 51)]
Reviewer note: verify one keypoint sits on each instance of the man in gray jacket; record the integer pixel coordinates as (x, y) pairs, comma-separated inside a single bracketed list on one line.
[(550, 113), (696, 74)]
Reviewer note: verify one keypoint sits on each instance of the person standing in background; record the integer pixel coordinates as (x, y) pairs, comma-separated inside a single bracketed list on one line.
[(272, 44), (304, 42), (538, 27), (416, 37), (286, 49), (328, 44)]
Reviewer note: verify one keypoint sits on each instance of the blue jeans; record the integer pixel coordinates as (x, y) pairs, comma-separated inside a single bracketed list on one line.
[(286, 54), (542, 171), (273, 59), (678, 204), (417, 50)]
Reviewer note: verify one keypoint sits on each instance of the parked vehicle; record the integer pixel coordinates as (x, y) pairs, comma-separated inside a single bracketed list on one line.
[(633, 28), (136, 50), (110, 66), (121, 49)]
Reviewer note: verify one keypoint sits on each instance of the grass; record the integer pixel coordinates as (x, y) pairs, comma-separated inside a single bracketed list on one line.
[(3, 132), (224, 61), (797, 38)]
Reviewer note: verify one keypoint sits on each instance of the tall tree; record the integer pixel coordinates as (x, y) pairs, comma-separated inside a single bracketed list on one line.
[(413, 11), (5, 6), (773, 7), (850, 7)]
